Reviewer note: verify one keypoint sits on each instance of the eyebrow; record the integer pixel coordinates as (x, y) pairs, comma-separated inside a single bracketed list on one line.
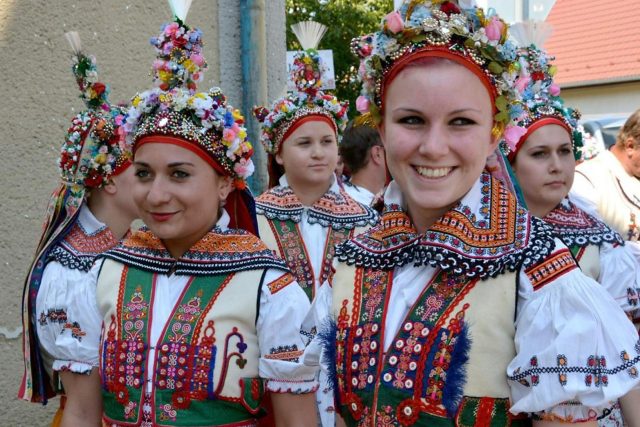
[(458, 111), (170, 165)]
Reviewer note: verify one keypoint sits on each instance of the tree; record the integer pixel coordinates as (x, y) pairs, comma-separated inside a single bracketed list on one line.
[(345, 20)]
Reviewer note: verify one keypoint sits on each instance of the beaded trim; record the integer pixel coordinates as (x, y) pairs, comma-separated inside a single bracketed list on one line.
[(218, 252), (335, 210), (575, 227), (509, 239)]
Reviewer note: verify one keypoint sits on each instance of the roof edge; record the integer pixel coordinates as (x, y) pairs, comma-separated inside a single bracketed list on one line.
[(598, 82)]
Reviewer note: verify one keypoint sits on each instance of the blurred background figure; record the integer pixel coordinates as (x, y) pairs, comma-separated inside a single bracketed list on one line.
[(363, 155), (609, 183)]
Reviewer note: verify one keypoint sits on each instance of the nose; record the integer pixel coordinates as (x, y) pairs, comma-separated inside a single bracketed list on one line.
[(157, 193), (433, 143), (316, 150), (555, 164)]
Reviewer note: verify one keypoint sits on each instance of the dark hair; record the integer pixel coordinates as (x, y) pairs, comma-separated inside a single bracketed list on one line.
[(356, 145), (631, 129)]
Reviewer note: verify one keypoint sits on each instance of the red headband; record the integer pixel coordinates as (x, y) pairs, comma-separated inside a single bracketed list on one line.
[(532, 128), (440, 52), (308, 118), (191, 146)]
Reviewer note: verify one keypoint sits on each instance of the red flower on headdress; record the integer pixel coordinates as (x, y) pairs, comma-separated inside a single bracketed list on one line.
[(93, 180), (537, 75), (449, 8), (98, 88)]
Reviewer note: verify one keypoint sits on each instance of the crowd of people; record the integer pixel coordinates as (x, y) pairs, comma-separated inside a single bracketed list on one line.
[(461, 271)]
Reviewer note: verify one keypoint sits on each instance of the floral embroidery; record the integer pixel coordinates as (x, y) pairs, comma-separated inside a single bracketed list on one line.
[(219, 252), (53, 315), (336, 210), (286, 352), (595, 370), (167, 412), (408, 411), (577, 228), (76, 330), (501, 236)]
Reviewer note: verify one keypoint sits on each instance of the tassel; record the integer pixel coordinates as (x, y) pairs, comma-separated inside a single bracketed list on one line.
[(309, 33), (180, 8), (74, 40), (529, 33)]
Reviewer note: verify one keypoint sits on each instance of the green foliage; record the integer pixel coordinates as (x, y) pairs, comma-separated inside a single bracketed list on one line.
[(345, 20)]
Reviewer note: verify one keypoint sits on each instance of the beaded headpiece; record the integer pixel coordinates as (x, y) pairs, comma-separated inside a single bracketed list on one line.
[(173, 109), (541, 99), (94, 148), (307, 100), (442, 29)]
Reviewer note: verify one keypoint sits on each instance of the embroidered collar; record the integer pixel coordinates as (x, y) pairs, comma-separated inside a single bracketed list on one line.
[(576, 227), (335, 209), (86, 239), (484, 235), (221, 251)]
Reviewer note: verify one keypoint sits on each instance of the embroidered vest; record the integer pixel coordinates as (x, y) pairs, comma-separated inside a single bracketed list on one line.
[(206, 359), (279, 213), (447, 364)]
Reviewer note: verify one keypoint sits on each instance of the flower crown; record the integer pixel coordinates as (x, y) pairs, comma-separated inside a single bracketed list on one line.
[(94, 148), (539, 93), (174, 108), (307, 99), (465, 34)]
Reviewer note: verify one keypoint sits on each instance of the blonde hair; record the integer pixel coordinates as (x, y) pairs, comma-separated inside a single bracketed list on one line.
[(631, 129)]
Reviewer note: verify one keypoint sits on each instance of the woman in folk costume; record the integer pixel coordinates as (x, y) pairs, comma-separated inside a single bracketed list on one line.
[(199, 316), (88, 214), (459, 308), (307, 213), (543, 160)]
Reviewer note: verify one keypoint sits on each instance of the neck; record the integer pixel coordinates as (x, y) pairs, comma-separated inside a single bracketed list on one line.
[(109, 214), (541, 211), (178, 246), (423, 219), (309, 194), (370, 179)]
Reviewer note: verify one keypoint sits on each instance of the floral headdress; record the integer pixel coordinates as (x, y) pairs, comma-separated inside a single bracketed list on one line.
[(174, 109), (540, 95), (94, 148), (436, 28), (307, 100)]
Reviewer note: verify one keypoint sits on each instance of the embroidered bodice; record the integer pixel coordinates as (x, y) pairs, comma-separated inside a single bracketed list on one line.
[(335, 209), (218, 252), (86, 239), (487, 233), (578, 228)]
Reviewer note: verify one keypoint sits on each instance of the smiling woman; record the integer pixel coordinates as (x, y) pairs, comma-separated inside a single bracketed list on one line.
[(200, 318), (457, 307)]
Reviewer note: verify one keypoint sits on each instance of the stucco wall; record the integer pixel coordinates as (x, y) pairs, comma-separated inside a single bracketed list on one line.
[(605, 99), (39, 97)]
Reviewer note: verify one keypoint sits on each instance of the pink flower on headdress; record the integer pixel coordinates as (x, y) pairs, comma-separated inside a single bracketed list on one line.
[(362, 104), (521, 83), (512, 135), (554, 89), (244, 168), (494, 29), (228, 134), (394, 21), (197, 59), (171, 29)]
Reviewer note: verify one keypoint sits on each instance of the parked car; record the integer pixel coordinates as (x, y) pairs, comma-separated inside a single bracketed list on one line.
[(605, 129)]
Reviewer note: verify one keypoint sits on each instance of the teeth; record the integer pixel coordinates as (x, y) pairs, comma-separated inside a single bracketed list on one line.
[(433, 172)]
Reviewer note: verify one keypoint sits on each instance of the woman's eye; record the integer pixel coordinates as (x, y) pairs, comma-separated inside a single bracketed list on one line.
[(462, 121), (411, 120), (566, 151), (179, 174), (539, 154), (142, 173), (328, 141)]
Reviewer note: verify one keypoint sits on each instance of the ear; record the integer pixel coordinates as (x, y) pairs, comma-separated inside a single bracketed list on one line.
[(630, 144), (377, 154), (110, 187), (225, 186), (278, 158)]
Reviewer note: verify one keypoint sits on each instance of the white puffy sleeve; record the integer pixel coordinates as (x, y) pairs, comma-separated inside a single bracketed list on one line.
[(576, 350), (283, 307), (620, 276), (69, 322)]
